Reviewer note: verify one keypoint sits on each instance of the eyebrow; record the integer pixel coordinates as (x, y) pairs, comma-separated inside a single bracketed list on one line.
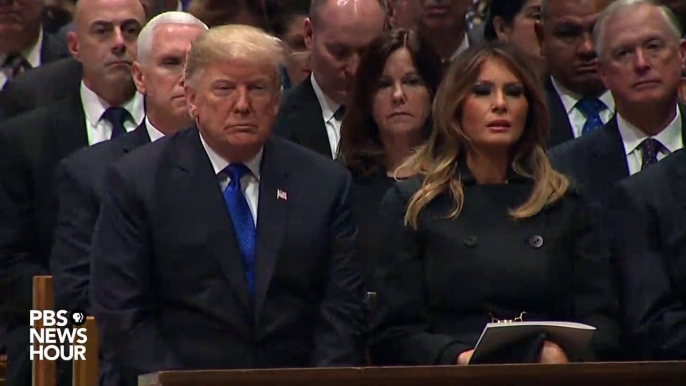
[(491, 83)]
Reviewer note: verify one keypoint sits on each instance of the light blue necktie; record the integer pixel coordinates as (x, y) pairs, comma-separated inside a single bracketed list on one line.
[(591, 108), (243, 223)]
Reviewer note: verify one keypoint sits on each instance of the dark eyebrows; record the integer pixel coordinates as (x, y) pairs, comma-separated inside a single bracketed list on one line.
[(491, 84)]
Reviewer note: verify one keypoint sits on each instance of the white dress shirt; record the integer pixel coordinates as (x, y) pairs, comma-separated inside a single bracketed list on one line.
[(329, 108), (576, 118), (98, 128), (462, 48), (153, 133), (30, 53), (670, 138), (250, 183)]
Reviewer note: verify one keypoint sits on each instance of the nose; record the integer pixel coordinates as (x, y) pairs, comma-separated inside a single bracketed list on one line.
[(242, 105), (351, 64), (499, 103), (640, 61), (586, 47), (118, 44), (398, 96)]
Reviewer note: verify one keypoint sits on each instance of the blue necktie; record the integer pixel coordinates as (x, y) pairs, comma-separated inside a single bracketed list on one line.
[(591, 108), (243, 223), (116, 116)]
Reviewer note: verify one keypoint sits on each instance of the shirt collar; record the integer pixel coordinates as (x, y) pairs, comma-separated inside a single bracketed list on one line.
[(632, 137), (570, 98), (329, 107), (219, 163), (94, 106), (179, 7), (30, 53), (153, 133), (463, 47)]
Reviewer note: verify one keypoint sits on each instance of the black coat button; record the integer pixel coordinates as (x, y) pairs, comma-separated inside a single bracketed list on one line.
[(470, 241), (536, 241)]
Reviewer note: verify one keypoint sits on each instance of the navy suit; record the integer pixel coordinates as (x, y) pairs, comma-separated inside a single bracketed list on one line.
[(560, 128), (78, 183), (168, 287), (649, 217)]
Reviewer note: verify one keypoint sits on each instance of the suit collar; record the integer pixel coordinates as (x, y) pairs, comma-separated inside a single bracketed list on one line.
[(569, 98), (69, 125), (135, 139), (328, 106), (671, 137), (302, 111)]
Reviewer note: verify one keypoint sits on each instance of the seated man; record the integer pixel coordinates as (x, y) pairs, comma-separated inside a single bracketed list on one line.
[(212, 249)]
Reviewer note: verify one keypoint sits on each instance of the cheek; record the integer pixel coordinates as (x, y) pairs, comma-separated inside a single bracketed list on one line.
[(474, 114), (380, 109)]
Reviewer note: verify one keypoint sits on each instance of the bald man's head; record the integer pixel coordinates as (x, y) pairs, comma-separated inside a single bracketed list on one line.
[(336, 32), (105, 44)]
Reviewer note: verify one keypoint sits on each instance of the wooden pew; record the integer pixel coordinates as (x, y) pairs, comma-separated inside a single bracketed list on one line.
[(85, 373), (45, 371)]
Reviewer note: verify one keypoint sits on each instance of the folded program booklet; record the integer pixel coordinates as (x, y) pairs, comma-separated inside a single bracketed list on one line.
[(573, 338)]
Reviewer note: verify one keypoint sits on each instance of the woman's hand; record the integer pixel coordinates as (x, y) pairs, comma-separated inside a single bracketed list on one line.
[(463, 359), (551, 354)]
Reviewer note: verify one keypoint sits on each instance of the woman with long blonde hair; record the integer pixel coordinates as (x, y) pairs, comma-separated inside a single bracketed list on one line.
[(487, 231)]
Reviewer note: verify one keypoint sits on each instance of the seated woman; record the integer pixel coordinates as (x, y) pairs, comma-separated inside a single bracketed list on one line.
[(486, 230), (513, 21), (396, 79)]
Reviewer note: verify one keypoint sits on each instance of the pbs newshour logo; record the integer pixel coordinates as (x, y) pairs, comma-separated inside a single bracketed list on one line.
[(54, 338)]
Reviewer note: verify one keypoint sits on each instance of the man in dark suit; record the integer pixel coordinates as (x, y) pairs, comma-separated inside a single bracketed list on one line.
[(165, 39), (335, 33), (649, 124), (23, 43), (40, 87), (105, 105), (578, 101), (649, 223), (181, 276)]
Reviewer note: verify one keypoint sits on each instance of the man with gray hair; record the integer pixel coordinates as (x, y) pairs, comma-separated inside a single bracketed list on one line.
[(642, 68), (212, 250), (158, 74)]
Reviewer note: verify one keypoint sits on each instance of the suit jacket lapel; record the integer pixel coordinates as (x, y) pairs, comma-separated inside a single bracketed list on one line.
[(207, 210), (138, 138), (560, 127), (52, 49), (306, 116), (608, 149), (271, 218)]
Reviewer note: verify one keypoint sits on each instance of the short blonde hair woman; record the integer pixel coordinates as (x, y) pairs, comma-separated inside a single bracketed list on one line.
[(488, 230)]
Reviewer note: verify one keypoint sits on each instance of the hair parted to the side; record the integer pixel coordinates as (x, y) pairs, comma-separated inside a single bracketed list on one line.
[(234, 42), (437, 160), (145, 38)]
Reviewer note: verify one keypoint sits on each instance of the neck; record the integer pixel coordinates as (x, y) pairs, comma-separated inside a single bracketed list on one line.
[(397, 148), (661, 115), (488, 168), (164, 122), (114, 95), (446, 47)]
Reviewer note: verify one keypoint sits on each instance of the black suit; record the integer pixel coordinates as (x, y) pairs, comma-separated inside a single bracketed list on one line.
[(300, 119), (168, 286), (54, 47), (560, 128), (40, 87), (79, 181), (597, 160), (649, 216), (31, 146), (438, 284)]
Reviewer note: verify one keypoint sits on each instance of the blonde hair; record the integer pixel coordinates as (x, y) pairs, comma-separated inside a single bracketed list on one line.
[(231, 42), (437, 160)]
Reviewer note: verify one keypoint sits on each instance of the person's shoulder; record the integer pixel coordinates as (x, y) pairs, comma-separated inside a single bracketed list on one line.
[(306, 160), (667, 171), (29, 123)]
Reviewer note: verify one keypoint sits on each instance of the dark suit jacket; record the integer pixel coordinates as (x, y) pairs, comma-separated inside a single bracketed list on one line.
[(560, 128), (79, 190), (649, 216), (597, 160), (300, 119), (31, 146), (53, 48), (40, 87), (438, 284), (168, 287)]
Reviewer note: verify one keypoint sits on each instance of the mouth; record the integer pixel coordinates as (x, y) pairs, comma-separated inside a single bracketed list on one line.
[(436, 10), (586, 68), (499, 125), (646, 84), (120, 63), (399, 114)]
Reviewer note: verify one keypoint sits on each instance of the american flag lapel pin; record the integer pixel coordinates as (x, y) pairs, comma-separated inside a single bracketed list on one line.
[(281, 195)]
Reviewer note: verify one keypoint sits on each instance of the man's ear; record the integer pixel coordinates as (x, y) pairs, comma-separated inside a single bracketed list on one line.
[(539, 28), (73, 44), (138, 77), (309, 33)]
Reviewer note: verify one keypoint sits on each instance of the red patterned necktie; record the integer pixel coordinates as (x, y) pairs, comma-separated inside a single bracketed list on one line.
[(17, 64)]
